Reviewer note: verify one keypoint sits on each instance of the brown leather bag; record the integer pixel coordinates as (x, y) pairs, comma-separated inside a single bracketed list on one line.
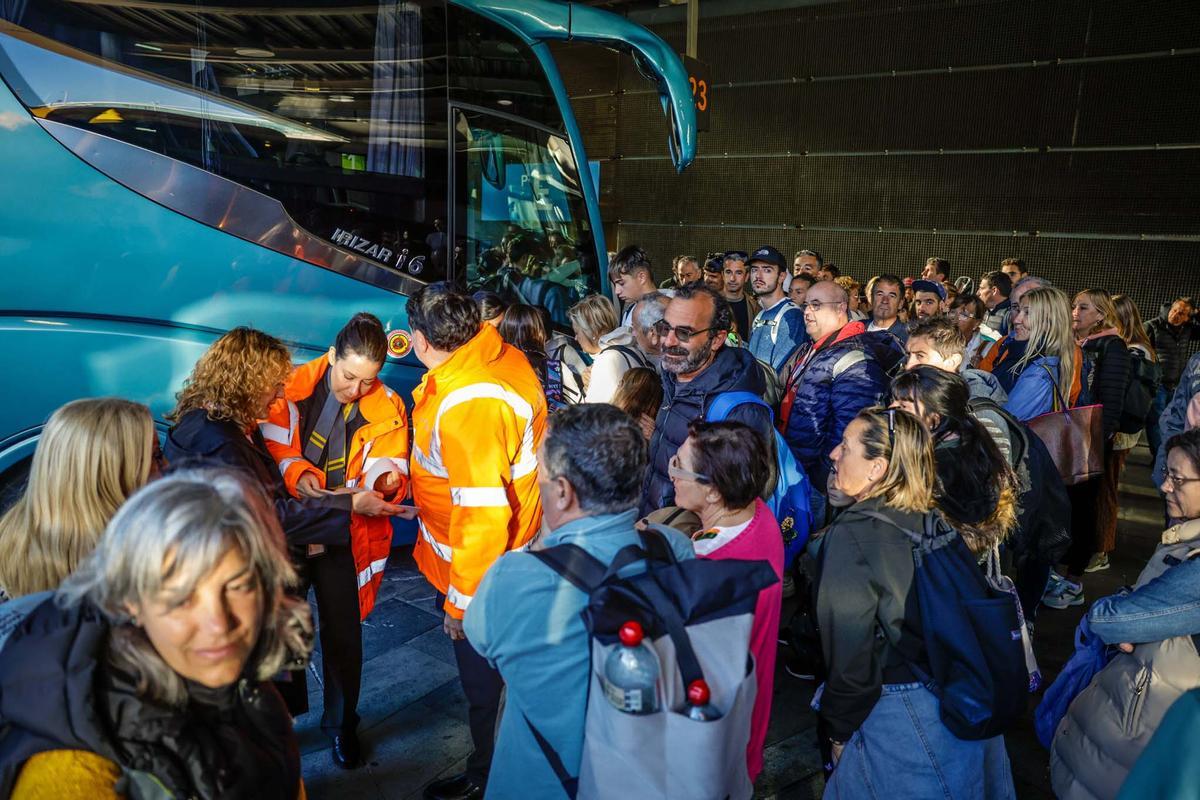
[(1074, 437)]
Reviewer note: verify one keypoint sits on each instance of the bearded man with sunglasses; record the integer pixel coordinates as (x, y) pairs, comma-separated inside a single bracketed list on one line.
[(696, 368)]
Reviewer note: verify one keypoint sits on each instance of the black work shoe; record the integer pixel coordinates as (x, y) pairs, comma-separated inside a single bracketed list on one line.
[(345, 750), (459, 787)]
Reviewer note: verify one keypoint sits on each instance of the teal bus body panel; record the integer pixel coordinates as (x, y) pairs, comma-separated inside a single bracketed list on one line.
[(123, 292), (540, 21)]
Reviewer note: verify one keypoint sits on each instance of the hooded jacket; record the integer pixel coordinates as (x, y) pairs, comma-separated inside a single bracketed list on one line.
[(1110, 722), (832, 381), (380, 443), (230, 743), (618, 354), (478, 419), (733, 369), (197, 440)]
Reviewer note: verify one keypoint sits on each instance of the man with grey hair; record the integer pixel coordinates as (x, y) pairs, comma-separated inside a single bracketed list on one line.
[(526, 619), (647, 313)]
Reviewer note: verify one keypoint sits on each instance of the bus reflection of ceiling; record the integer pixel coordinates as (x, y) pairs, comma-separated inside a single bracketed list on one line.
[(272, 11), (137, 90)]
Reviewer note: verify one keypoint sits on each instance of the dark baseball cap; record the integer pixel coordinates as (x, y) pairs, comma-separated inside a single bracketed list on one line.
[(930, 286), (769, 255)]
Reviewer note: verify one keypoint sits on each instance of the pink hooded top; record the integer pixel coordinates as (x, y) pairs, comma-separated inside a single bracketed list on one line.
[(757, 540)]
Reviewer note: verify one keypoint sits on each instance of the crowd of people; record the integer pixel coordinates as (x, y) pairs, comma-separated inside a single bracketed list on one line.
[(154, 593)]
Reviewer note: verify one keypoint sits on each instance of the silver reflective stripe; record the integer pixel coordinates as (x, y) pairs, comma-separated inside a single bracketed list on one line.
[(428, 464), (287, 462), (524, 467), (275, 433), (847, 361), (526, 459), (445, 553), (458, 599), (478, 496), (373, 569)]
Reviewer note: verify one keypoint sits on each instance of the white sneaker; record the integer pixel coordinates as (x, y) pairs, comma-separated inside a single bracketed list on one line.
[(1099, 561), (1064, 595)]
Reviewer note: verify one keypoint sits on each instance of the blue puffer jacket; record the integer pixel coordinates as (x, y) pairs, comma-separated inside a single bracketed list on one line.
[(733, 370), (828, 388)]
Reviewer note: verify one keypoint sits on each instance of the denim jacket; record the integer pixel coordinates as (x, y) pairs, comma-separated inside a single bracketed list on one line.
[(1174, 416), (1167, 606)]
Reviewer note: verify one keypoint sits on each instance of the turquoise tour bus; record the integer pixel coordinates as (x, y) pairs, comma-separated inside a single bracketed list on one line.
[(171, 170)]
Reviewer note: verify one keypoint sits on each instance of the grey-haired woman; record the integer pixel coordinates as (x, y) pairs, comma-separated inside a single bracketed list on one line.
[(146, 675)]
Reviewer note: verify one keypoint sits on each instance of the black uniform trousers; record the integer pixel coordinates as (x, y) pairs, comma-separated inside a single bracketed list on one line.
[(334, 581), (482, 685)]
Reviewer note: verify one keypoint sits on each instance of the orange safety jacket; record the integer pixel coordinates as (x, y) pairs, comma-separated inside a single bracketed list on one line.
[(478, 419), (385, 435)]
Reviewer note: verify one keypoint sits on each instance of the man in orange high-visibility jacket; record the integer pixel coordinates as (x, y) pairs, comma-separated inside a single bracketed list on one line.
[(478, 417), (338, 427)]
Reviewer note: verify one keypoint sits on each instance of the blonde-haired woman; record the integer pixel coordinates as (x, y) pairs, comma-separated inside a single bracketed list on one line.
[(1094, 503), (874, 705), (613, 349), (148, 673), (1051, 363), (92, 455)]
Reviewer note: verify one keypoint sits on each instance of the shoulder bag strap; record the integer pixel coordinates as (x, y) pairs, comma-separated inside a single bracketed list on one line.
[(574, 564), (570, 785), (1060, 402)]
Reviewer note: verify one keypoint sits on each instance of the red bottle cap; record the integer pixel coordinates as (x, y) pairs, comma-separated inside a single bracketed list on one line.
[(631, 633), (697, 693)]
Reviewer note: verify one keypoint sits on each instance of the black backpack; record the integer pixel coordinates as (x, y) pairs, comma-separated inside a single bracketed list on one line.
[(972, 634), (1145, 376)]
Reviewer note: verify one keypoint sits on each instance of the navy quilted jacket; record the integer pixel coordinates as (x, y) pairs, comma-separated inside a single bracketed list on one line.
[(733, 370), (828, 388)]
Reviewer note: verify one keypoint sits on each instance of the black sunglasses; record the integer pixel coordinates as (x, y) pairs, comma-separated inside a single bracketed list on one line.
[(683, 334)]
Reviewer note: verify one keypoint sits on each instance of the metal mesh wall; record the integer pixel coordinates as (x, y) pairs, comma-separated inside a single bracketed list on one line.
[(1067, 133)]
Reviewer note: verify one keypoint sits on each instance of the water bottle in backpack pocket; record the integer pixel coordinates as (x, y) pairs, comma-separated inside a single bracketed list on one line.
[(695, 617)]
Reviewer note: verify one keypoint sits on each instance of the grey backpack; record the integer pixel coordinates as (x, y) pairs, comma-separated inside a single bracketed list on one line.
[(697, 615)]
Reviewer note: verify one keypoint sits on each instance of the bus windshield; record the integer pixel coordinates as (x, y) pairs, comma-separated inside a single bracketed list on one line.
[(339, 115), (520, 212)]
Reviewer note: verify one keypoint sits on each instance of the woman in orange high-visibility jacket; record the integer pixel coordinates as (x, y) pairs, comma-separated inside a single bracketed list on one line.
[(339, 428), (479, 416)]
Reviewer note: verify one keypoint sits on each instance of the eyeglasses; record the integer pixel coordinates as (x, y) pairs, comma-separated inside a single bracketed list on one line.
[(817, 305), (891, 415), (683, 333), (1177, 481), (674, 470)]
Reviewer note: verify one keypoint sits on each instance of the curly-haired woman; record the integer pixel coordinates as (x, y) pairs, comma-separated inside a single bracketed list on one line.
[(216, 417)]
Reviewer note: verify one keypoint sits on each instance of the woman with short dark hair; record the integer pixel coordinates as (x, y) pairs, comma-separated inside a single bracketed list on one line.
[(148, 673), (719, 474)]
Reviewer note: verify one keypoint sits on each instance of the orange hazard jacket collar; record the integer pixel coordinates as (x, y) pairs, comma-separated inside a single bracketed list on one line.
[(472, 358)]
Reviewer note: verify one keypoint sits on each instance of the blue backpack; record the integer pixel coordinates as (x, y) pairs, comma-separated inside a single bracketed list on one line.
[(790, 502), (1091, 655), (972, 634)]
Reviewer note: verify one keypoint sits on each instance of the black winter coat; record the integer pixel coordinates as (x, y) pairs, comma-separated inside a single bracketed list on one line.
[(1172, 344), (58, 691), (199, 441), (732, 370), (1109, 378)]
